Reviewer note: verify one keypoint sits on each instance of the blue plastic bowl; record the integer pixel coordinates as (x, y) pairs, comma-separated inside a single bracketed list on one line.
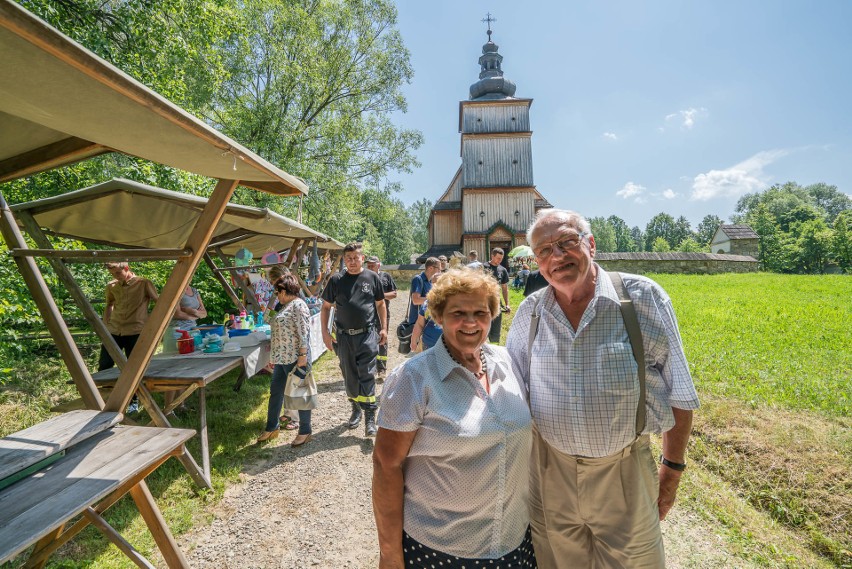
[(217, 329), (239, 332)]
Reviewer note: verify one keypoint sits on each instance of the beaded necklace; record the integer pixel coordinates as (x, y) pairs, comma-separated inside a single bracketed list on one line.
[(477, 375)]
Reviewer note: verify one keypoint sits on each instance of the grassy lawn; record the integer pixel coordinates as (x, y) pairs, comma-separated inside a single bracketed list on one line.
[(770, 459)]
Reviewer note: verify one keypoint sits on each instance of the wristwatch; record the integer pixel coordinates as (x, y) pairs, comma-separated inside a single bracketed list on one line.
[(679, 466)]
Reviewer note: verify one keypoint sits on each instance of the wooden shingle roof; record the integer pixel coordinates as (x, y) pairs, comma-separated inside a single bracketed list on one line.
[(740, 231)]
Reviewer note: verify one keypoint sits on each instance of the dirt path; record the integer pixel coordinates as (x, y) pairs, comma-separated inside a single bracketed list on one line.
[(311, 506)]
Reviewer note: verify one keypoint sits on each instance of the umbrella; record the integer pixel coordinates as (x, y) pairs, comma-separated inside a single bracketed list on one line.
[(521, 251)]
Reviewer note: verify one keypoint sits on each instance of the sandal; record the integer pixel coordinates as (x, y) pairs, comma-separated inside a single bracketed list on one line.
[(288, 424)]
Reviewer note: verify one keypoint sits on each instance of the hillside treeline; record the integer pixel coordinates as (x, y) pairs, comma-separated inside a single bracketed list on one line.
[(802, 229)]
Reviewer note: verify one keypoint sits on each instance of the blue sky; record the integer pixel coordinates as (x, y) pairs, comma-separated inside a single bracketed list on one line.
[(641, 107)]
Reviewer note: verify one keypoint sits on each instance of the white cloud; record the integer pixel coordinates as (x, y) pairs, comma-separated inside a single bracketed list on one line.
[(632, 191), (739, 179), (669, 194), (686, 117), (610, 135)]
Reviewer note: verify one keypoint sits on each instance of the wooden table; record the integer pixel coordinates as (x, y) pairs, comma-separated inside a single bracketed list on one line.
[(182, 376), (101, 462)]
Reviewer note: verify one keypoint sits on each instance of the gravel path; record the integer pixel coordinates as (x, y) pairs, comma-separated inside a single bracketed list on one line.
[(311, 506)]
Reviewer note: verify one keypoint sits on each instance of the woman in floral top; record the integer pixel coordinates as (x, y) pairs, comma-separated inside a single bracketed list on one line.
[(290, 348)]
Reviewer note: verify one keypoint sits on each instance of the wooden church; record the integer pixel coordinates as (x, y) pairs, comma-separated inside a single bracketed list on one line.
[(492, 199)]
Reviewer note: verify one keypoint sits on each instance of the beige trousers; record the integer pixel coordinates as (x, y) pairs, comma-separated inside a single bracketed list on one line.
[(595, 512)]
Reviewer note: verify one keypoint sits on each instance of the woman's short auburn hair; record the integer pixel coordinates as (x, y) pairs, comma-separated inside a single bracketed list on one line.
[(463, 281), (287, 283)]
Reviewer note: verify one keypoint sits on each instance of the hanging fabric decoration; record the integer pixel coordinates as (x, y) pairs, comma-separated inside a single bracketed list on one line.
[(270, 258), (242, 257), (314, 271)]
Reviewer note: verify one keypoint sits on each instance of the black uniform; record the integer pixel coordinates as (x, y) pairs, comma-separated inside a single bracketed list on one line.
[(501, 275), (535, 281), (387, 286), (354, 298)]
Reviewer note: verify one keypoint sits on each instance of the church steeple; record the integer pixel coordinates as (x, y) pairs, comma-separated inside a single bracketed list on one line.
[(491, 84)]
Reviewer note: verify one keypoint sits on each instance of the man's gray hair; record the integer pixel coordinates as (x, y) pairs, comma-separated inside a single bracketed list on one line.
[(573, 219)]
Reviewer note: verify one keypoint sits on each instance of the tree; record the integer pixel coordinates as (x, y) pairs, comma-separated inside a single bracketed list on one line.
[(623, 239), (841, 247), (690, 245), (419, 213), (604, 234), (682, 230), (830, 200), (312, 86), (707, 228), (814, 243), (660, 245), (661, 225), (777, 199), (638, 238)]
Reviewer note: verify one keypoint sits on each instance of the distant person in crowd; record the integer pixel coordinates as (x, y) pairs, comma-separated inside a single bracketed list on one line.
[(473, 260), (535, 281), (426, 331), (597, 497), (127, 299), (389, 287), (358, 299), (451, 460), (290, 346), (445, 266), (420, 286), (261, 288), (501, 275), (189, 310)]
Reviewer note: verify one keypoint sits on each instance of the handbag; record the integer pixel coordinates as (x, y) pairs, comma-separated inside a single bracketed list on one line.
[(300, 392), (403, 334)]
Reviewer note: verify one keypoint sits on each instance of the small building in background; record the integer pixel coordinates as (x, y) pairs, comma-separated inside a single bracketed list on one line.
[(491, 199), (736, 239)]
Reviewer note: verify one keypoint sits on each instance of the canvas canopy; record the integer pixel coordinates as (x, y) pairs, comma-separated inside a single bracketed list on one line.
[(126, 214), (60, 103)]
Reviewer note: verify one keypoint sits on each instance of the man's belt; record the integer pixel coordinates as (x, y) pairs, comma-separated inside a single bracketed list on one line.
[(352, 331)]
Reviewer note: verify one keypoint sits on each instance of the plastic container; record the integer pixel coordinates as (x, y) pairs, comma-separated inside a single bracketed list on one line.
[(239, 332), (186, 345), (208, 329), (170, 338)]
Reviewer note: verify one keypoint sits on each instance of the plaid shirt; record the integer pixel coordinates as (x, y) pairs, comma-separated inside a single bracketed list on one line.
[(583, 385)]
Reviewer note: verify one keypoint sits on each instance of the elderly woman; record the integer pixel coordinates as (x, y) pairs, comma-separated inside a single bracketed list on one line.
[(451, 461), (290, 345)]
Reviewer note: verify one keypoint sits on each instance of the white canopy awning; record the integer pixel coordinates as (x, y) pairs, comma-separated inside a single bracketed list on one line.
[(126, 214), (60, 103)]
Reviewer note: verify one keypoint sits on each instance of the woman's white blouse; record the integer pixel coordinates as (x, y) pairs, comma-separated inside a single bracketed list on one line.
[(467, 472), (290, 332)]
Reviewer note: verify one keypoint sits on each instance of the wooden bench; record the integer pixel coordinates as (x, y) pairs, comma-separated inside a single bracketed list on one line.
[(102, 461)]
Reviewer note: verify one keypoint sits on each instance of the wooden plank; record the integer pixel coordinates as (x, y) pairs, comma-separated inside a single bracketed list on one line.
[(157, 526), (24, 448), (116, 539), (41, 545), (64, 274), (200, 369), (202, 433), (90, 471), (43, 299), (250, 301), (224, 282), (293, 248), (198, 239), (104, 255)]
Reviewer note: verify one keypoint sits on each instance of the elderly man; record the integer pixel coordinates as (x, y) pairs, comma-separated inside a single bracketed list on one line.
[(445, 265), (389, 287), (597, 497)]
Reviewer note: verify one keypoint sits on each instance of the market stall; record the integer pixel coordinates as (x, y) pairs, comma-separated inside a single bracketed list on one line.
[(60, 104)]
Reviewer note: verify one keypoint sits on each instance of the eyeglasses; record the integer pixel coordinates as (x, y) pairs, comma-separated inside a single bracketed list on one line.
[(564, 245)]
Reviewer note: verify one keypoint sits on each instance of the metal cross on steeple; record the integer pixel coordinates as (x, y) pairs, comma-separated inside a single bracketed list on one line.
[(488, 19)]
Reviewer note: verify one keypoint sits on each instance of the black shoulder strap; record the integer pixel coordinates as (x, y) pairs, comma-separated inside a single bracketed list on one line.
[(634, 333)]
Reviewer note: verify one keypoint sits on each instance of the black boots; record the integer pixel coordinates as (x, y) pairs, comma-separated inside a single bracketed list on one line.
[(370, 423), (355, 417)]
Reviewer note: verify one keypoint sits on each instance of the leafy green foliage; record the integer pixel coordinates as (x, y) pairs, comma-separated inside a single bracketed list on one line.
[(707, 228), (604, 234), (624, 241)]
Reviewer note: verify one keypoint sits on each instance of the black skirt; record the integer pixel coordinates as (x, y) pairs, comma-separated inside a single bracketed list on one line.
[(417, 555)]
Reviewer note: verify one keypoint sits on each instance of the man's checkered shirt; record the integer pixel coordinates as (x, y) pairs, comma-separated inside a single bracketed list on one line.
[(583, 384)]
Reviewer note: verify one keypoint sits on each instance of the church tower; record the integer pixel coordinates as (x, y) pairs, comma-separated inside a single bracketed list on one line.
[(492, 198)]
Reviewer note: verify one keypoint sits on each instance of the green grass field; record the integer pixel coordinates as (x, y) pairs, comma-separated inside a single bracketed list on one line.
[(770, 458)]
